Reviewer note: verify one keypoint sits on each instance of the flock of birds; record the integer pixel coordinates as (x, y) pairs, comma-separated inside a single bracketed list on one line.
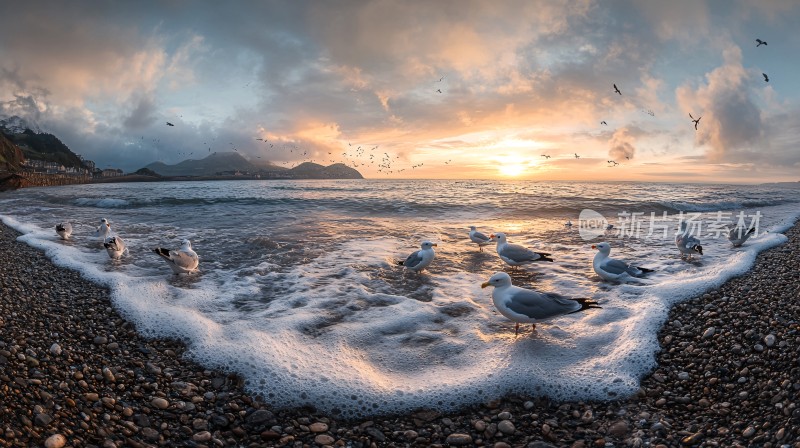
[(520, 305), (181, 261), (527, 306)]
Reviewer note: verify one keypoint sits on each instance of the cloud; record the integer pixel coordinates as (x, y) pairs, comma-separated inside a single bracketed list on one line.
[(622, 145)]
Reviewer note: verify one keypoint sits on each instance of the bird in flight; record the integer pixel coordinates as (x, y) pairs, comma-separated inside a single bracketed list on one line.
[(577, 156), (545, 156), (612, 163), (616, 89), (766, 78), (603, 122), (440, 79), (696, 122), (760, 43), (439, 90), (170, 124)]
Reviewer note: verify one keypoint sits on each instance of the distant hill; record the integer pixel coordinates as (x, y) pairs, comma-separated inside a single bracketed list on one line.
[(225, 163), (310, 170), (38, 145)]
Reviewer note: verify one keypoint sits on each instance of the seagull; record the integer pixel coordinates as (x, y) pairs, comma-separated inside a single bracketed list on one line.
[(577, 156), (686, 243), (760, 43), (617, 89), (545, 156), (516, 255), (103, 230), (183, 260), (64, 230), (525, 306), (696, 122), (439, 90), (115, 247), (766, 78), (170, 124), (604, 123), (478, 238), (611, 269), (420, 259), (441, 79), (737, 235)]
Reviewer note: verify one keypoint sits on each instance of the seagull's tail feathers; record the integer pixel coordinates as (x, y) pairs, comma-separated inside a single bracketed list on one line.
[(585, 305), (644, 270), (698, 248), (544, 256), (752, 230), (163, 253)]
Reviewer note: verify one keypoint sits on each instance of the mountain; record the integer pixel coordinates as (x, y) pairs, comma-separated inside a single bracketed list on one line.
[(10, 155), (219, 162), (310, 170), (17, 125)]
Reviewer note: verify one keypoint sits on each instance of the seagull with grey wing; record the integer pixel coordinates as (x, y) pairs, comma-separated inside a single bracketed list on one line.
[(516, 255), (526, 306), (64, 230), (103, 230), (115, 247), (181, 261), (611, 269), (686, 243), (420, 259), (738, 235), (479, 238)]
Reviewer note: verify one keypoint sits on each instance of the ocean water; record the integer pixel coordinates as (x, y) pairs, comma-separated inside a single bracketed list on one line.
[(299, 291)]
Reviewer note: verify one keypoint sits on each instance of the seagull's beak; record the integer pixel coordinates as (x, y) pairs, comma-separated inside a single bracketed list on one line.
[(435, 245), (594, 247), (492, 236), (484, 284)]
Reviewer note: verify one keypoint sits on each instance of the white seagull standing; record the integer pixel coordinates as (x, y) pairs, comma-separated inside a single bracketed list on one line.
[(516, 255), (420, 259), (525, 306), (479, 238), (183, 260), (687, 244), (737, 235), (64, 230), (611, 269), (103, 230), (115, 247)]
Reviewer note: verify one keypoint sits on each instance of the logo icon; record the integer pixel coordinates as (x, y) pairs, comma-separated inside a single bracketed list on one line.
[(591, 224)]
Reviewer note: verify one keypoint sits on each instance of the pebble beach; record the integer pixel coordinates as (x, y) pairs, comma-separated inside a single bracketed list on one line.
[(73, 372)]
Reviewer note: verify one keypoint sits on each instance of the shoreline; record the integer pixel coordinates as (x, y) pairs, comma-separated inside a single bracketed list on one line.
[(105, 385)]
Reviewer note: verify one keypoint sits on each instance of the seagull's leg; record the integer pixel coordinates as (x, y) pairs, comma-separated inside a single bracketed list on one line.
[(516, 330), (533, 327)]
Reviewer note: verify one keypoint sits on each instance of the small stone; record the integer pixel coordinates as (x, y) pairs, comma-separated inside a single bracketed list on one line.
[(159, 403), (55, 441), (506, 427), (318, 427), (709, 332), (504, 416), (683, 376), (769, 340), (692, 439), (150, 434), (410, 435), (324, 439), (528, 405), (619, 429), (203, 436), (780, 434), (91, 396), (108, 375), (749, 432), (458, 439), (501, 445), (55, 349), (260, 417), (758, 347), (100, 340), (480, 426), (42, 419)]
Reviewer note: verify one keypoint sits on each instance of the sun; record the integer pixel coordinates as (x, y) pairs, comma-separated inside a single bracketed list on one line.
[(511, 169)]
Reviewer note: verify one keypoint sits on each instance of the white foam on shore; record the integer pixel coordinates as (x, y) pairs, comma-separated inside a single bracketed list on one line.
[(348, 330)]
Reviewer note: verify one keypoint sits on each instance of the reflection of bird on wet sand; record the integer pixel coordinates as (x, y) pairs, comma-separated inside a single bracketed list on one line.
[(696, 122)]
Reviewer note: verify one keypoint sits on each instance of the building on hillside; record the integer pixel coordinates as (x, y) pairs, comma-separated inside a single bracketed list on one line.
[(111, 172)]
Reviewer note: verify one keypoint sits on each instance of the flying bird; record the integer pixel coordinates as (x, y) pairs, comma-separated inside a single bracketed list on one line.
[(577, 156), (616, 89), (766, 78), (603, 122), (64, 230), (170, 124), (545, 156), (696, 122), (610, 269), (760, 43), (181, 261), (516, 255), (440, 79), (115, 247), (478, 238), (439, 90), (526, 306), (420, 259)]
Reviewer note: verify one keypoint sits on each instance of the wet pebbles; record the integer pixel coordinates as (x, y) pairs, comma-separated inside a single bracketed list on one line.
[(75, 373)]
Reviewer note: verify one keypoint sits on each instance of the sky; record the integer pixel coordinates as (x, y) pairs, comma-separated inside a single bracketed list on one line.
[(430, 89)]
